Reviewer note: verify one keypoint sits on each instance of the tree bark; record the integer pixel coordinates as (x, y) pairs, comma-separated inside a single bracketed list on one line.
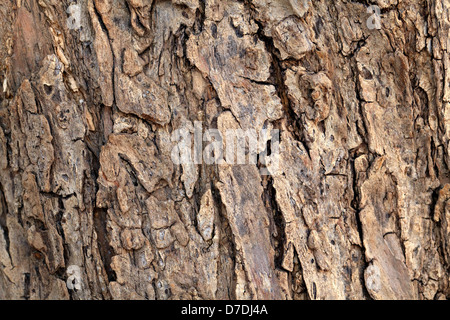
[(92, 205)]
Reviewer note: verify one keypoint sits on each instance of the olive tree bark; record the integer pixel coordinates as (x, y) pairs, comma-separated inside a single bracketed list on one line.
[(92, 205)]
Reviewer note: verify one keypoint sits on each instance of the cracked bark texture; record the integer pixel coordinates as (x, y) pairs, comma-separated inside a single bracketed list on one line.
[(358, 209)]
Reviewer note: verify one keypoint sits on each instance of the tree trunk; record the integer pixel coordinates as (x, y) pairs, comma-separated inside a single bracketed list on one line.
[(351, 204)]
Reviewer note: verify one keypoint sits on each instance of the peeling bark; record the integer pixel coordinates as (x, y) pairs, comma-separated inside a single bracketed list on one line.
[(356, 209)]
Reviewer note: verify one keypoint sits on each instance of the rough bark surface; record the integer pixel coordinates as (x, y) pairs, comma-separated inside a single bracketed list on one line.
[(359, 207)]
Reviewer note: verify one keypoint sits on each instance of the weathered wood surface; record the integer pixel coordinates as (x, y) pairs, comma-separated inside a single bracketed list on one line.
[(359, 207)]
